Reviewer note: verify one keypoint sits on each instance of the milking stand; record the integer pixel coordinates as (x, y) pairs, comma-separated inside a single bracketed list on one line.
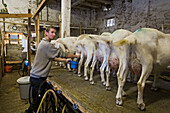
[(64, 103)]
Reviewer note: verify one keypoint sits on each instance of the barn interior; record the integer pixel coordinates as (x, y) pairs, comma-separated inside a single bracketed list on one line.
[(30, 18)]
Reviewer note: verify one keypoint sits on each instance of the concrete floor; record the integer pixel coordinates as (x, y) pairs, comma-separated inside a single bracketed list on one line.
[(10, 101), (94, 98)]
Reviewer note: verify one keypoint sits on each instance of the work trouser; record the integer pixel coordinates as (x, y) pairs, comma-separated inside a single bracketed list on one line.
[(38, 86)]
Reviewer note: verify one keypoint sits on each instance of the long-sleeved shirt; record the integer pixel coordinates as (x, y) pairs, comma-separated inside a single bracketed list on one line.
[(46, 52)]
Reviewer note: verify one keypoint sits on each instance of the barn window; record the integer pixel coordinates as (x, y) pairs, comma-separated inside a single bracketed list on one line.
[(110, 22), (14, 39)]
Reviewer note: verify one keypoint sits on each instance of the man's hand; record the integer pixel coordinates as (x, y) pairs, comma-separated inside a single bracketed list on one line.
[(68, 60), (78, 55)]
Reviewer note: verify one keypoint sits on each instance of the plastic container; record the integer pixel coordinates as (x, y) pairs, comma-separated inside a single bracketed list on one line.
[(26, 62), (8, 69), (24, 85), (74, 64)]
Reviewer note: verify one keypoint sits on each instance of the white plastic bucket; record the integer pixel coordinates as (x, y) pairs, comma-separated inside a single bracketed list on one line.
[(24, 85)]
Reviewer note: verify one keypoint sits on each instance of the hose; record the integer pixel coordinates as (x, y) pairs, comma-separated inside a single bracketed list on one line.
[(50, 90), (64, 108)]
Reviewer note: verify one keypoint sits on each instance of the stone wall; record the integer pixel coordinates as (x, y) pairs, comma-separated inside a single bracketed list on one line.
[(50, 13), (135, 14), (128, 14)]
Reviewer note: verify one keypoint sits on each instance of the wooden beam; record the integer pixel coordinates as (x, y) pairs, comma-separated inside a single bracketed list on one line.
[(80, 8), (40, 7), (15, 15), (14, 39), (77, 3), (90, 5), (102, 1), (13, 62), (14, 23)]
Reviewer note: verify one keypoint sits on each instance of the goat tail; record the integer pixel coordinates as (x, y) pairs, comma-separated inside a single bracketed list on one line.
[(78, 43), (126, 41)]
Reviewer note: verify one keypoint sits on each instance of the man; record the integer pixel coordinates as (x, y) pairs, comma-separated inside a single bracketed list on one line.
[(46, 53), (24, 46), (32, 48)]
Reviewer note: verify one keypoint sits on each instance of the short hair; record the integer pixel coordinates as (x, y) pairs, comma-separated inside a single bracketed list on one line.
[(49, 27), (32, 42)]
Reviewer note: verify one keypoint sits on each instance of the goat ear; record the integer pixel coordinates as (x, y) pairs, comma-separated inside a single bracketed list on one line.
[(91, 37), (108, 42), (97, 43), (120, 43)]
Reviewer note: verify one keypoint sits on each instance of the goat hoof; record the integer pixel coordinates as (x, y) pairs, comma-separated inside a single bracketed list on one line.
[(86, 78), (103, 83), (155, 89), (124, 94), (79, 75), (108, 88), (70, 70), (75, 72), (128, 80), (141, 106), (92, 82), (56, 64), (119, 102)]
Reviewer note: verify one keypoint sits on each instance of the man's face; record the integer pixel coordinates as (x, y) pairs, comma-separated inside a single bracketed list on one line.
[(51, 33)]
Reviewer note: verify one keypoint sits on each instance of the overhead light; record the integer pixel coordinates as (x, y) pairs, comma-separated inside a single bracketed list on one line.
[(107, 7), (14, 27), (104, 8)]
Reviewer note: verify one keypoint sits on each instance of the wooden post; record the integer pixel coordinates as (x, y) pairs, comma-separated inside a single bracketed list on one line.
[(59, 26), (38, 30), (44, 28), (35, 27), (28, 42), (9, 39), (65, 17), (3, 53)]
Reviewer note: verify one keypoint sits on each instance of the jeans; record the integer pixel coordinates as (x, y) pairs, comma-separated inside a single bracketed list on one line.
[(38, 86)]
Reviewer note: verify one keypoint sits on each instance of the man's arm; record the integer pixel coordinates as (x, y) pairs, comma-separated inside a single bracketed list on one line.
[(62, 59), (66, 60), (33, 49), (73, 56)]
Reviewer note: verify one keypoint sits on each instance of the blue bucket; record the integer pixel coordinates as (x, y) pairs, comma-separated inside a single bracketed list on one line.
[(26, 62), (74, 64)]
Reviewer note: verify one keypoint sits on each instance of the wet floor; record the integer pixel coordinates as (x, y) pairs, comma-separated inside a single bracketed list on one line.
[(94, 98)]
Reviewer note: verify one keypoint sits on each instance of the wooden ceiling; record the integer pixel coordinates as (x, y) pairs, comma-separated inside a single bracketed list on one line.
[(85, 4), (94, 4)]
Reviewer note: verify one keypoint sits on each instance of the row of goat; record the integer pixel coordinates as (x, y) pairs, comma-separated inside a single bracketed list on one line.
[(142, 52)]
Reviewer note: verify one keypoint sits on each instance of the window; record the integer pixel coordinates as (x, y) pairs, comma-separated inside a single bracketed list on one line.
[(14, 39), (110, 22)]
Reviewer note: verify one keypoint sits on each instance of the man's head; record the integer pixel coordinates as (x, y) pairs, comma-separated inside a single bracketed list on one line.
[(50, 33), (32, 43)]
